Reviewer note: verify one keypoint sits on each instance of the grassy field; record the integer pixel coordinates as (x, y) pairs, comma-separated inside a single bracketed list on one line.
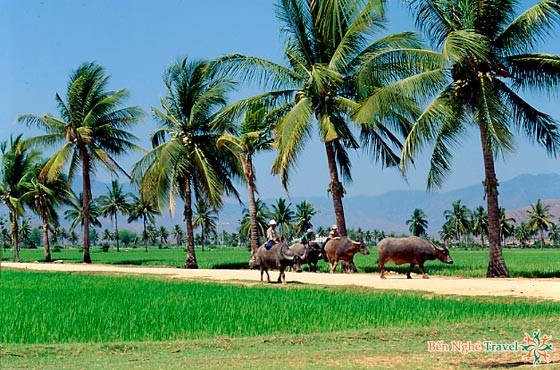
[(471, 263), (89, 321)]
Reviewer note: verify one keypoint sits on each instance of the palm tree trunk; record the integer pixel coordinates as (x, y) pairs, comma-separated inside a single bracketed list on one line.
[(15, 234), (336, 190), (496, 264), (254, 227), (46, 242), (117, 232), (190, 262), (542, 239), (145, 235), (86, 201)]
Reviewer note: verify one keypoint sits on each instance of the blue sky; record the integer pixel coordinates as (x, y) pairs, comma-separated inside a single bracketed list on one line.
[(135, 40)]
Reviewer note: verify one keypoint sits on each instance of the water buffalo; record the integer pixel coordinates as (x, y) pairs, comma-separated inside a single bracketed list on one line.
[(343, 249), (278, 257), (310, 254), (413, 250)]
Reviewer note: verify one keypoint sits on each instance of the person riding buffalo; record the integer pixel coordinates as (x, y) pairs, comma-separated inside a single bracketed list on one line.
[(272, 236)]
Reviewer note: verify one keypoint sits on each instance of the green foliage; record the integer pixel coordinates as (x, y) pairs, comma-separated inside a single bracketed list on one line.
[(74, 308)]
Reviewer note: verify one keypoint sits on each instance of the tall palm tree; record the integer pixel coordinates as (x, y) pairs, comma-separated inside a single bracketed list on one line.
[(44, 197), (113, 203), (18, 163), (254, 135), (206, 217), (523, 234), (480, 223), (78, 216), (418, 223), (262, 215), (554, 234), (333, 64), (507, 226), (91, 131), (304, 213), (185, 159), (488, 54), (178, 234), (447, 232), (459, 219), (143, 208), (540, 219), (163, 234), (282, 213)]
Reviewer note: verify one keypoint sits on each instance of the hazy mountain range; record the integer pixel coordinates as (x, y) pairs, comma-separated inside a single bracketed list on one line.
[(389, 211)]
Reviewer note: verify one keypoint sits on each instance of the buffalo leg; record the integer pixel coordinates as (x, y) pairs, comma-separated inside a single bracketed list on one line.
[(421, 267), (262, 270), (267, 275), (410, 270), (333, 266), (382, 269)]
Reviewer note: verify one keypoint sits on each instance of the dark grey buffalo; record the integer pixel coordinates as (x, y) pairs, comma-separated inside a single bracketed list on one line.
[(278, 257), (309, 254), (413, 250), (343, 249)]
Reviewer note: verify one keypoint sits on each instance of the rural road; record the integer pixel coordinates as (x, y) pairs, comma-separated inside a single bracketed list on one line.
[(520, 287)]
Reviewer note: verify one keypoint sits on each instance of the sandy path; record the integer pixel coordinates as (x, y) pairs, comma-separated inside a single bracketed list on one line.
[(530, 288)]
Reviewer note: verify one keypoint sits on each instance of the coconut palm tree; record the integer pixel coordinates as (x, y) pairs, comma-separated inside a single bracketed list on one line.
[(113, 203), (44, 197), (489, 58), (554, 234), (184, 159), (459, 219), (262, 215), (143, 208), (91, 131), (447, 232), (418, 223), (18, 163), (523, 234), (507, 226), (78, 216), (480, 223), (282, 213), (540, 219), (178, 234), (254, 135), (206, 217), (334, 63), (107, 235), (304, 213)]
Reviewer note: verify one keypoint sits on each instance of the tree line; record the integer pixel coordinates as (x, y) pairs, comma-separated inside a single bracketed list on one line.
[(389, 96)]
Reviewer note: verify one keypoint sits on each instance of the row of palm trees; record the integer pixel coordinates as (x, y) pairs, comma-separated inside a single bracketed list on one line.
[(461, 222), (389, 96)]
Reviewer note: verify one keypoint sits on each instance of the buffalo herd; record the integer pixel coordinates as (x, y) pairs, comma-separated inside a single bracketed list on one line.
[(413, 250)]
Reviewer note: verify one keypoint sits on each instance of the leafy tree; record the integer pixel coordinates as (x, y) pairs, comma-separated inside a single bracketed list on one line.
[(127, 236), (73, 237), (206, 217), (113, 203), (18, 162), (334, 63), (480, 223), (283, 215), (488, 59), (107, 235), (418, 223), (540, 219), (143, 208), (91, 131), (185, 159), (304, 213), (254, 135)]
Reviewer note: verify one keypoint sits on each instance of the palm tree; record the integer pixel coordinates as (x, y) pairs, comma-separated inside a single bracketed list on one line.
[(185, 159), (418, 223), (206, 217), (447, 232), (254, 135), (143, 208), (112, 203), (283, 215), (262, 215), (178, 234), (540, 219), (77, 215), (480, 223), (44, 197), (163, 235), (91, 131), (304, 213), (107, 235), (554, 234), (18, 163), (459, 219), (25, 231), (507, 226), (333, 64), (488, 55), (523, 234)]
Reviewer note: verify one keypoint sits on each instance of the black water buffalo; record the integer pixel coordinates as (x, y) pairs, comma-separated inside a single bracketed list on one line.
[(278, 257), (413, 250), (310, 254), (343, 249)]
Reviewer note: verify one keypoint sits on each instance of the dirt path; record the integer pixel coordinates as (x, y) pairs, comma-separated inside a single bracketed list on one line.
[(519, 287)]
